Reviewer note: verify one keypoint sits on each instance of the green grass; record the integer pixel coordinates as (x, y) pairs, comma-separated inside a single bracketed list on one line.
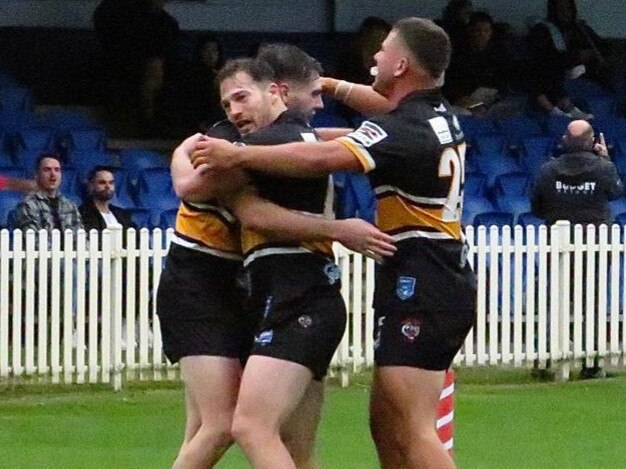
[(513, 424)]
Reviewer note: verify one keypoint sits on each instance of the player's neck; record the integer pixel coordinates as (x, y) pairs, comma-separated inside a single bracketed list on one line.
[(403, 88)]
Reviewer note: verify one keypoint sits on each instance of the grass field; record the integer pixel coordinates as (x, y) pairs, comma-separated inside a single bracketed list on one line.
[(502, 421)]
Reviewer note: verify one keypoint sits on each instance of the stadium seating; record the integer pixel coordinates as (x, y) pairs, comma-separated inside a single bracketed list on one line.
[(155, 181), (618, 206), (134, 160), (86, 160), (475, 185), (557, 125), (16, 98), (495, 164), (512, 184), (8, 201), (518, 127), (529, 218), (475, 127), (536, 150), (141, 217), (168, 219), (85, 138), (497, 218), (472, 206)]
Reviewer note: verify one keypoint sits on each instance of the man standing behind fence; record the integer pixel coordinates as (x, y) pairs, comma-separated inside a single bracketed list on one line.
[(46, 208), (577, 187), (425, 295), (579, 184)]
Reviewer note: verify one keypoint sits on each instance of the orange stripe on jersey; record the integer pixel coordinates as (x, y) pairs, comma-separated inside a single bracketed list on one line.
[(360, 152), (252, 241), (207, 229), (396, 215)]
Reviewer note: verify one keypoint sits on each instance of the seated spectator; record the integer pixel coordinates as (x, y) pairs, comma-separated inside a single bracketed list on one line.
[(138, 38), (455, 19), (16, 184), (481, 71), (551, 63), (587, 53), (190, 99), (45, 208), (97, 212)]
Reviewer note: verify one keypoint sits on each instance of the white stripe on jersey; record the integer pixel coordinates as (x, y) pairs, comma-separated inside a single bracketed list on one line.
[(272, 251), (421, 234), (205, 249)]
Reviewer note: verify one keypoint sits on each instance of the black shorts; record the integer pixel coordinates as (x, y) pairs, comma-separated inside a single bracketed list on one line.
[(428, 340), (310, 332), (199, 306)]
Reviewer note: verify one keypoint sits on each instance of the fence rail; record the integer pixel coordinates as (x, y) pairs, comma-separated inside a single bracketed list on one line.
[(79, 307)]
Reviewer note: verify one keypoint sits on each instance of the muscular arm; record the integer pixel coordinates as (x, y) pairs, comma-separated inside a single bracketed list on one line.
[(197, 184), (281, 224), (297, 159), (361, 98)]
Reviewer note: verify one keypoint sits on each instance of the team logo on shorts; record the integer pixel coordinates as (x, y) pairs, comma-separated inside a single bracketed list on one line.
[(264, 338), (305, 321), (333, 272), (405, 288), (410, 329)]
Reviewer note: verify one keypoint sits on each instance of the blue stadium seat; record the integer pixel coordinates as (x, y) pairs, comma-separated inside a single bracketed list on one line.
[(513, 204), (601, 105), (8, 201), (134, 160), (495, 164), (86, 160), (518, 127), (536, 151), (157, 203), (13, 172), (155, 180), (475, 185), (582, 88), (491, 144), (168, 219), (38, 137), (64, 120), (86, 138), (489, 219), (529, 218), (124, 190), (70, 182), (557, 125), (620, 219), (141, 217), (16, 98), (618, 206), (473, 206), (474, 127), (512, 184)]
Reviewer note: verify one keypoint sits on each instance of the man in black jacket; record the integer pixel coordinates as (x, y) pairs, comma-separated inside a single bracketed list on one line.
[(97, 212), (578, 185)]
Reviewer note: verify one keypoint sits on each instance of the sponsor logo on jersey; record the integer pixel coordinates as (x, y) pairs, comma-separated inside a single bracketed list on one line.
[(368, 134), (410, 329), (405, 287), (264, 338), (332, 272), (442, 129), (308, 136), (305, 321)]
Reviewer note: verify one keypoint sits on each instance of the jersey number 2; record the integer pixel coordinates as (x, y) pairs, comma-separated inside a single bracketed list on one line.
[(452, 165)]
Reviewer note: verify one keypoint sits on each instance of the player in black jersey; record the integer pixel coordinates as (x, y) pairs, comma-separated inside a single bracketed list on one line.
[(250, 109), (426, 294)]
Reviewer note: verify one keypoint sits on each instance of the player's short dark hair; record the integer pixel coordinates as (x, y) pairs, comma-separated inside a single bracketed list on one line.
[(91, 175), (43, 156), (259, 70), (429, 44), (290, 62)]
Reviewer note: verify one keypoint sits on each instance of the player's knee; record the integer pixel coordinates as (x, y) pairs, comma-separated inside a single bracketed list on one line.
[(244, 430)]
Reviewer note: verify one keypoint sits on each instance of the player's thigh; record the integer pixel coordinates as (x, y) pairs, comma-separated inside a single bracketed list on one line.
[(270, 390), (301, 425), (406, 398), (212, 383)]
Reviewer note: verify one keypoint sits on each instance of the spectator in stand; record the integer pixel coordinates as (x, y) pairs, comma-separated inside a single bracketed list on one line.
[(551, 62), (370, 35), (16, 184), (97, 212), (455, 19), (481, 71), (190, 99), (45, 208), (138, 38), (577, 187), (587, 53)]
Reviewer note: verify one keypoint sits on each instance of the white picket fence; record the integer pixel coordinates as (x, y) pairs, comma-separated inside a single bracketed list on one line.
[(79, 308)]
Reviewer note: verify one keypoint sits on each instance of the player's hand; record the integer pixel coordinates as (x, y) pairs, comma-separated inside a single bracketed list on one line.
[(600, 147), (214, 153), (189, 143), (360, 236)]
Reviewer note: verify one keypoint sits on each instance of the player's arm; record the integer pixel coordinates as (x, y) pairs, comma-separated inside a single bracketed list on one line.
[(331, 133), (361, 98), (297, 159), (196, 184), (281, 224)]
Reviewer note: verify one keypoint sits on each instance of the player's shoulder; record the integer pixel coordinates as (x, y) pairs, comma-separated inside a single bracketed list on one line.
[(289, 127), (224, 129)]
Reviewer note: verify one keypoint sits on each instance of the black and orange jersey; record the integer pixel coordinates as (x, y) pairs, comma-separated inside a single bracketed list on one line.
[(309, 196), (417, 155), (209, 227)]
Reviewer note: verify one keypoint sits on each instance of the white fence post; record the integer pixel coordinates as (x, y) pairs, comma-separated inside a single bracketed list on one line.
[(561, 327), (117, 290)]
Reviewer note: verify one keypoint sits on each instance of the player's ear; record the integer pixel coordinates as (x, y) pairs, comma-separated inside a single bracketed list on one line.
[(284, 90), (401, 67)]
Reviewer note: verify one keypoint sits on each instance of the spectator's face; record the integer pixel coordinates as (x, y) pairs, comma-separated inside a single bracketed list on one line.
[(480, 34), (247, 104), (305, 97), (210, 54), (48, 175), (102, 187), (387, 62)]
